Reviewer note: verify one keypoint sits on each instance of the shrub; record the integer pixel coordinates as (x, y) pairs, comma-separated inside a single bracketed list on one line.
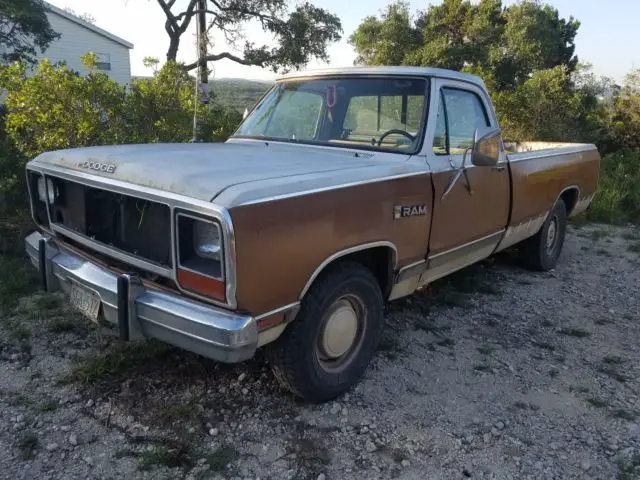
[(618, 197)]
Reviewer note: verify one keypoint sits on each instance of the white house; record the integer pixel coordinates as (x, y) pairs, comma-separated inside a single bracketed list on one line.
[(78, 37)]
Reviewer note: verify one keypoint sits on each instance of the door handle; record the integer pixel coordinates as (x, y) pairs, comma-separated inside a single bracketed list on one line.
[(498, 168)]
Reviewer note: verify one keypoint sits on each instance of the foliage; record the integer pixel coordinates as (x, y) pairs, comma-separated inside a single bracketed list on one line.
[(24, 29), (238, 93), (55, 108), (300, 35), (618, 197)]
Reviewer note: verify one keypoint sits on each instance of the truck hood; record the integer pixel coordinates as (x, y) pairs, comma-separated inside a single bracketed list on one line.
[(204, 171)]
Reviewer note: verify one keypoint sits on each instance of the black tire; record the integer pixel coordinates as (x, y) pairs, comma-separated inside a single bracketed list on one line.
[(541, 251), (296, 357)]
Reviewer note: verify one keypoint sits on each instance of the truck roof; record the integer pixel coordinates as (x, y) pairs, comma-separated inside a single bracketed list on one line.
[(409, 71)]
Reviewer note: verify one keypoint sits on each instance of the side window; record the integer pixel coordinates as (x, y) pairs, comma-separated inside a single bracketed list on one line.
[(465, 113), (440, 137)]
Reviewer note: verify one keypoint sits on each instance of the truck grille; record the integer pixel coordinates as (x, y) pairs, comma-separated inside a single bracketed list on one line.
[(136, 226)]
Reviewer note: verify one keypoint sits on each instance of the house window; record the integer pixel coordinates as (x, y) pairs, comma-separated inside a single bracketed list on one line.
[(103, 61)]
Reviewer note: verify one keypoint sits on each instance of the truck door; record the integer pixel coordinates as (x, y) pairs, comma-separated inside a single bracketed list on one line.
[(470, 219)]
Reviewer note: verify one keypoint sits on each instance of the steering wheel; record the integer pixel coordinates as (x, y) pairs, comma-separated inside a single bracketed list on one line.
[(397, 131)]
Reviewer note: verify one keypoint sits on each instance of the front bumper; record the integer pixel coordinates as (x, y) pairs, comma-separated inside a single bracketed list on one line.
[(141, 311)]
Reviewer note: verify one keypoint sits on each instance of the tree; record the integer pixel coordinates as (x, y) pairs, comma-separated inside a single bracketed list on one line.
[(300, 35), (24, 29), (503, 45), (87, 17)]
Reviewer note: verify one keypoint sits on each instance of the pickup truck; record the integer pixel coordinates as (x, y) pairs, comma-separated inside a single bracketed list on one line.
[(340, 190)]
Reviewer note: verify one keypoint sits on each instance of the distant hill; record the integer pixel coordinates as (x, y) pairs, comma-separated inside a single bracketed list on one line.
[(237, 93)]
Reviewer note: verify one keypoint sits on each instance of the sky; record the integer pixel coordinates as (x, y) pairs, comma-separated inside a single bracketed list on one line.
[(608, 38)]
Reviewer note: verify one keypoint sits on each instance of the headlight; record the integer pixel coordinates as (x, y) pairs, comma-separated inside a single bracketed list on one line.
[(47, 191), (206, 240), (200, 266)]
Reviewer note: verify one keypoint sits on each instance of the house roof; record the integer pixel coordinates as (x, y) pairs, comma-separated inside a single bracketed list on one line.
[(87, 25)]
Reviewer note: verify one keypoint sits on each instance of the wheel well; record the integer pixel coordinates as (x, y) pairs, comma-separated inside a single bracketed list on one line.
[(379, 260), (570, 198)]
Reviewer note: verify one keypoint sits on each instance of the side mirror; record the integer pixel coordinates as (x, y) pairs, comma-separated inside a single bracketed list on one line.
[(486, 147)]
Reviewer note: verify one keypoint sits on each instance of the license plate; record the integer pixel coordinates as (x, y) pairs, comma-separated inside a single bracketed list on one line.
[(85, 301)]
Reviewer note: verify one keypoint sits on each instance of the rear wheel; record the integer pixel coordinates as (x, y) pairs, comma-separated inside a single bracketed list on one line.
[(328, 346), (541, 251)]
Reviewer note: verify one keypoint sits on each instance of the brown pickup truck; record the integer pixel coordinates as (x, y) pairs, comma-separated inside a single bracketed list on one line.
[(342, 189)]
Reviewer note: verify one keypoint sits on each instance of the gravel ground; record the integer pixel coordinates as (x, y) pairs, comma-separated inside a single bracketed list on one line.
[(494, 373)]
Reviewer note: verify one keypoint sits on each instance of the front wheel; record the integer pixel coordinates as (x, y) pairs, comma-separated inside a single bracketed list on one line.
[(541, 251), (329, 345)]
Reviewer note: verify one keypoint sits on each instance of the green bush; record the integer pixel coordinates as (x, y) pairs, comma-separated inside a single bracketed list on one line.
[(618, 197), (55, 108)]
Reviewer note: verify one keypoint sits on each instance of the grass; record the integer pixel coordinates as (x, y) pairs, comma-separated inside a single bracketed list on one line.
[(482, 367), (65, 325), (28, 444), (624, 414), (634, 247), (48, 406), (613, 360), (166, 456), (18, 279), (188, 412), (603, 253), (629, 468), (221, 458), (596, 402), (118, 362), (574, 332), (486, 349), (611, 371)]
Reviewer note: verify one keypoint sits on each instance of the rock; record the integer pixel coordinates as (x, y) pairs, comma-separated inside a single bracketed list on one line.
[(585, 465), (486, 437), (405, 463), (245, 391), (499, 425), (73, 439), (65, 428), (20, 418), (322, 476), (213, 432), (242, 377), (370, 446), (88, 460), (89, 403), (335, 408), (495, 432), (344, 412), (51, 447)]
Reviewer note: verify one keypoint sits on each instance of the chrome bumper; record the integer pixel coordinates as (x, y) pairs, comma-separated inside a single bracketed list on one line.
[(139, 311)]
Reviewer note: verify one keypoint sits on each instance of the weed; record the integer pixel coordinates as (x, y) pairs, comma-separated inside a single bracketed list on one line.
[(612, 372), (188, 412), (28, 445), (18, 279), (613, 360), (603, 321), (632, 235), (521, 405), (603, 253), (20, 332), (553, 373), (117, 362), (65, 325), (634, 247), (546, 323), (482, 367), (545, 346), (47, 406), (446, 342), (629, 469), (222, 457), (574, 332), (310, 455), (624, 414), (166, 456), (596, 402), (486, 349)]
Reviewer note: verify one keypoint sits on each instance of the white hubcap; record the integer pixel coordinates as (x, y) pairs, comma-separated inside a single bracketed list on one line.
[(340, 330)]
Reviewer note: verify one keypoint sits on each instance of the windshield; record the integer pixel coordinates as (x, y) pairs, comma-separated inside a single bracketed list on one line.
[(373, 113)]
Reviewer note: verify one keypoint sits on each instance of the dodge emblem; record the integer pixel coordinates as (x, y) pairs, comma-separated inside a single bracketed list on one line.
[(97, 166)]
